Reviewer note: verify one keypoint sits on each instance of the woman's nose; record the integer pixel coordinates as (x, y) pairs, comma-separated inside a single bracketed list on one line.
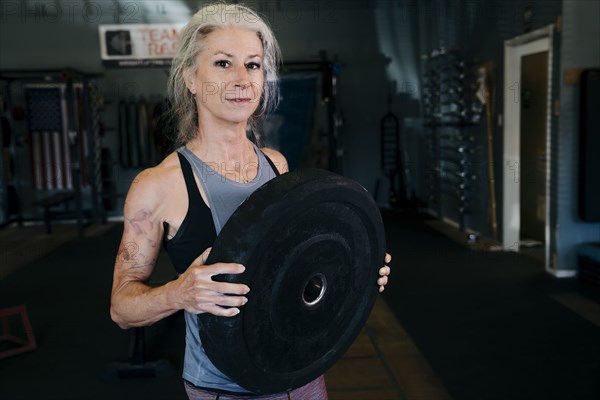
[(242, 77)]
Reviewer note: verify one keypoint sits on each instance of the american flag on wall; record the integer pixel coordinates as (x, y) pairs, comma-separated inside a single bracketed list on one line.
[(48, 137)]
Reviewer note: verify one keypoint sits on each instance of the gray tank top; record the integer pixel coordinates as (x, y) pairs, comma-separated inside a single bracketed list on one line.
[(223, 194), (224, 197)]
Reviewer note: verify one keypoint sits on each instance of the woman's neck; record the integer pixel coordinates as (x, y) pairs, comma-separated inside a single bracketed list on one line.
[(222, 144)]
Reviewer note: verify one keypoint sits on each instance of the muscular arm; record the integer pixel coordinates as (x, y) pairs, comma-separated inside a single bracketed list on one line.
[(133, 301)]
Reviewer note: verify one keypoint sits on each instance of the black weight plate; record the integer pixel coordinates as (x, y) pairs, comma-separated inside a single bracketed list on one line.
[(298, 233)]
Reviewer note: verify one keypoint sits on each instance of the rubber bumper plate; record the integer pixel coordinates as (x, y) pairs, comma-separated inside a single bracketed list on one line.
[(312, 243)]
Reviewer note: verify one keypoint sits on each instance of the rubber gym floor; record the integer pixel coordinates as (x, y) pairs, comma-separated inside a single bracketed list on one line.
[(453, 323)]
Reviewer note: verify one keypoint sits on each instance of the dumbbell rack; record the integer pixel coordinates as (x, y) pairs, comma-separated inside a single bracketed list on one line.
[(450, 106), (10, 210)]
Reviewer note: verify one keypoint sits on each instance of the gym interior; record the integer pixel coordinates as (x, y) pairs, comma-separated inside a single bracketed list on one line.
[(432, 106)]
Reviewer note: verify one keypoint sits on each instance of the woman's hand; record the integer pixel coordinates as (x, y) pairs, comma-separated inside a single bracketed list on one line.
[(384, 272), (196, 292)]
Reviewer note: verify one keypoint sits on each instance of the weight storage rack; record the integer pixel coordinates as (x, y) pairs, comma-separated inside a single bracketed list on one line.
[(451, 106)]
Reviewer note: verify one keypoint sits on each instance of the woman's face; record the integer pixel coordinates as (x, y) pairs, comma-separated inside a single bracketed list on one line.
[(229, 80)]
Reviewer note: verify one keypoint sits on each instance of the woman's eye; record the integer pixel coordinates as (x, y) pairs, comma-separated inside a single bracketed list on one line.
[(253, 65), (222, 63)]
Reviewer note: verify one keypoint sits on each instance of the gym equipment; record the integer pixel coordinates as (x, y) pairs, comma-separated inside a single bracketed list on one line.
[(20, 342), (143, 137), (329, 73), (123, 136), (137, 366), (51, 201), (390, 152), (312, 243), (58, 107), (10, 209), (96, 101), (6, 132), (487, 97), (139, 137), (451, 106), (297, 114), (132, 132), (391, 163), (109, 188), (9, 166)]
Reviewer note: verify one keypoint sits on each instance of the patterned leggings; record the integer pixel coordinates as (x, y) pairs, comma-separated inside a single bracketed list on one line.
[(314, 390)]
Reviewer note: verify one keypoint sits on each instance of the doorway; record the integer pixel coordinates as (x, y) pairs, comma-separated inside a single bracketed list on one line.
[(526, 140), (532, 155)]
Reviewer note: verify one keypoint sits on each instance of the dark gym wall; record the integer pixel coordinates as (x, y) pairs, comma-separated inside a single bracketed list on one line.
[(352, 32), (376, 41), (67, 36), (480, 28), (580, 49)]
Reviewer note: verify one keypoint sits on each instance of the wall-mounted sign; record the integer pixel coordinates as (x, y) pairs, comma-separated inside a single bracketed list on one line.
[(139, 45)]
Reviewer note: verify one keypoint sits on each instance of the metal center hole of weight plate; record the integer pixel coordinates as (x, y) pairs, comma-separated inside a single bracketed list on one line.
[(314, 290)]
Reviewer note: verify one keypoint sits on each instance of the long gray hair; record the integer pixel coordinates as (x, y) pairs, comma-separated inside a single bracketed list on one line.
[(206, 20)]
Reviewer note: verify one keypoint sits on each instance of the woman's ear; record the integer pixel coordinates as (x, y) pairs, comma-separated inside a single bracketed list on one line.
[(190, 81)]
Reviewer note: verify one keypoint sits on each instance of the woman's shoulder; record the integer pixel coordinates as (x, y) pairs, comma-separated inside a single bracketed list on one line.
[(162, 173), (277, 158), (154, 184)]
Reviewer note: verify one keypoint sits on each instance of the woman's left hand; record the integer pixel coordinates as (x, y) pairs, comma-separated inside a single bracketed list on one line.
[(384, 272)]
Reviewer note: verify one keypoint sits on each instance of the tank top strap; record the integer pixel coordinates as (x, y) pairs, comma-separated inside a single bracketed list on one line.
[(192, 188), (268, 160)]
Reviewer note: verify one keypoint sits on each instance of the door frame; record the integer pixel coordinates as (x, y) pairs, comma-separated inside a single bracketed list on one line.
[(533, 42)]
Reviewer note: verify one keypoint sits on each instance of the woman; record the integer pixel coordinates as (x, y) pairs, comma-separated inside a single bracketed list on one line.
[(218, 90)]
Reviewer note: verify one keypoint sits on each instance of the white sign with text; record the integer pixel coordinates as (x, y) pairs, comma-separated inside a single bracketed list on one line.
[(139, 45)]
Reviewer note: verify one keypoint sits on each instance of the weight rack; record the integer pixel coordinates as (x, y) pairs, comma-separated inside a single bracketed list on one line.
[(450, 106)]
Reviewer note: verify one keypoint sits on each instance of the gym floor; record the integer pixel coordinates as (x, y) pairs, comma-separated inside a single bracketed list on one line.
[(454, 323)]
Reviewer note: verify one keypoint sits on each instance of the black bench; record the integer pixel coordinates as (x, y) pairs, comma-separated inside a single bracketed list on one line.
[(53, 200)]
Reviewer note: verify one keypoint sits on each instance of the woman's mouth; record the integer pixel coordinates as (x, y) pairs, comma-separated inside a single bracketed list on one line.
[(239, 100)]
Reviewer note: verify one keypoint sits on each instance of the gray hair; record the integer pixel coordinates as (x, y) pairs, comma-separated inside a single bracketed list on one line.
[(206, 20)]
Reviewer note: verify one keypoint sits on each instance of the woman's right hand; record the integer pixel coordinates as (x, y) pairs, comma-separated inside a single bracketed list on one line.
[(195, 291)]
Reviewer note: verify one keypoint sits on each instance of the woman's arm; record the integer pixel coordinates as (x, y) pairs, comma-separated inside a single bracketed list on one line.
[(133, 301)]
